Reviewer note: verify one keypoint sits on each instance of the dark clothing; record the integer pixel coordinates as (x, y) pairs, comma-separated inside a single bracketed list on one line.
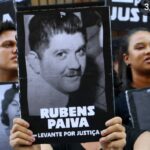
[(132, 135), (131, 106), (71, 146), (121, 109), (131, 138)]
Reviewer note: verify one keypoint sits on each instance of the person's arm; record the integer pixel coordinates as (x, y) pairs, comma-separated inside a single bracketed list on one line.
[(142, 142), (114, 136), (21, 138)]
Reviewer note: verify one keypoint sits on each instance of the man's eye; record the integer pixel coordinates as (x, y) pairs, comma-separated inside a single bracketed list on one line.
[(81, 52), (61, 54), (8, 45)]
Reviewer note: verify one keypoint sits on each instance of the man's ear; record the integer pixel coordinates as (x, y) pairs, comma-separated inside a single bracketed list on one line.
[(126, 59), (33, 61)]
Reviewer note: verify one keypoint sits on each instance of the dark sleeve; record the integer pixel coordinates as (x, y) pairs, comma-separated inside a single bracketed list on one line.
[(60, 146), (65, 146), (121, 109), (132, 135)]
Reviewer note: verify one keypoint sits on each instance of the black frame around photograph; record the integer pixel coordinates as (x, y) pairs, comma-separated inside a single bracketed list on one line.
[(90, 17)]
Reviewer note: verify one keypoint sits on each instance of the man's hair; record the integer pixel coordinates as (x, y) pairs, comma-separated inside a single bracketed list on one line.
[(8, 98), (6, 26), (42, 27)]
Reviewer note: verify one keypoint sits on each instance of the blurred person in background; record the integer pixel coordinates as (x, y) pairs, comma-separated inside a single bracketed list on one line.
[(135, 51), (8, 52)]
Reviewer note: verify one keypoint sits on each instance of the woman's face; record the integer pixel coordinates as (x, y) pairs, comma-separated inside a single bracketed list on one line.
[(138, 56), (13, 109)]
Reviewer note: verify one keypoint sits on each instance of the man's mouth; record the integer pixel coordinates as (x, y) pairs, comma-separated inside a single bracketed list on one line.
[(14, 58), (73, 73)]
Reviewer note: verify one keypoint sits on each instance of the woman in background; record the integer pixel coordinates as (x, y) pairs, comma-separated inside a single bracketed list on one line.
[(135, 49)]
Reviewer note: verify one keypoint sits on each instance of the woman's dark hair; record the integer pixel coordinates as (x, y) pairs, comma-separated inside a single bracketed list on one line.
[(126, 74), (8, 98)]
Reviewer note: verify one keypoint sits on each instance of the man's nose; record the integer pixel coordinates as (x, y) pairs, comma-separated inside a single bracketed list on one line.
[(14, 49), (74, 62)]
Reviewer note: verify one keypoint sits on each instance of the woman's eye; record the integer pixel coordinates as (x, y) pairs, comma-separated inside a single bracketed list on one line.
[(140, 47), (14, 104)]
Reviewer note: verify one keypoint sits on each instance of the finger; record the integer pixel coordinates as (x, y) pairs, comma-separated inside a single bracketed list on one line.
[(17, 127), (115, 120), (113, 128), (21, 122), (113, 137), (16, 142), (22, 135), (117, 145)]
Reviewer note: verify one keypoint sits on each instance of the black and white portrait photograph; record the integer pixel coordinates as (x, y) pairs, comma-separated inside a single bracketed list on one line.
[(9, 109), (65, 82)]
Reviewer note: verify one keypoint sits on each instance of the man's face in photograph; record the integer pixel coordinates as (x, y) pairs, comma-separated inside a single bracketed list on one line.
[(63, 63)]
